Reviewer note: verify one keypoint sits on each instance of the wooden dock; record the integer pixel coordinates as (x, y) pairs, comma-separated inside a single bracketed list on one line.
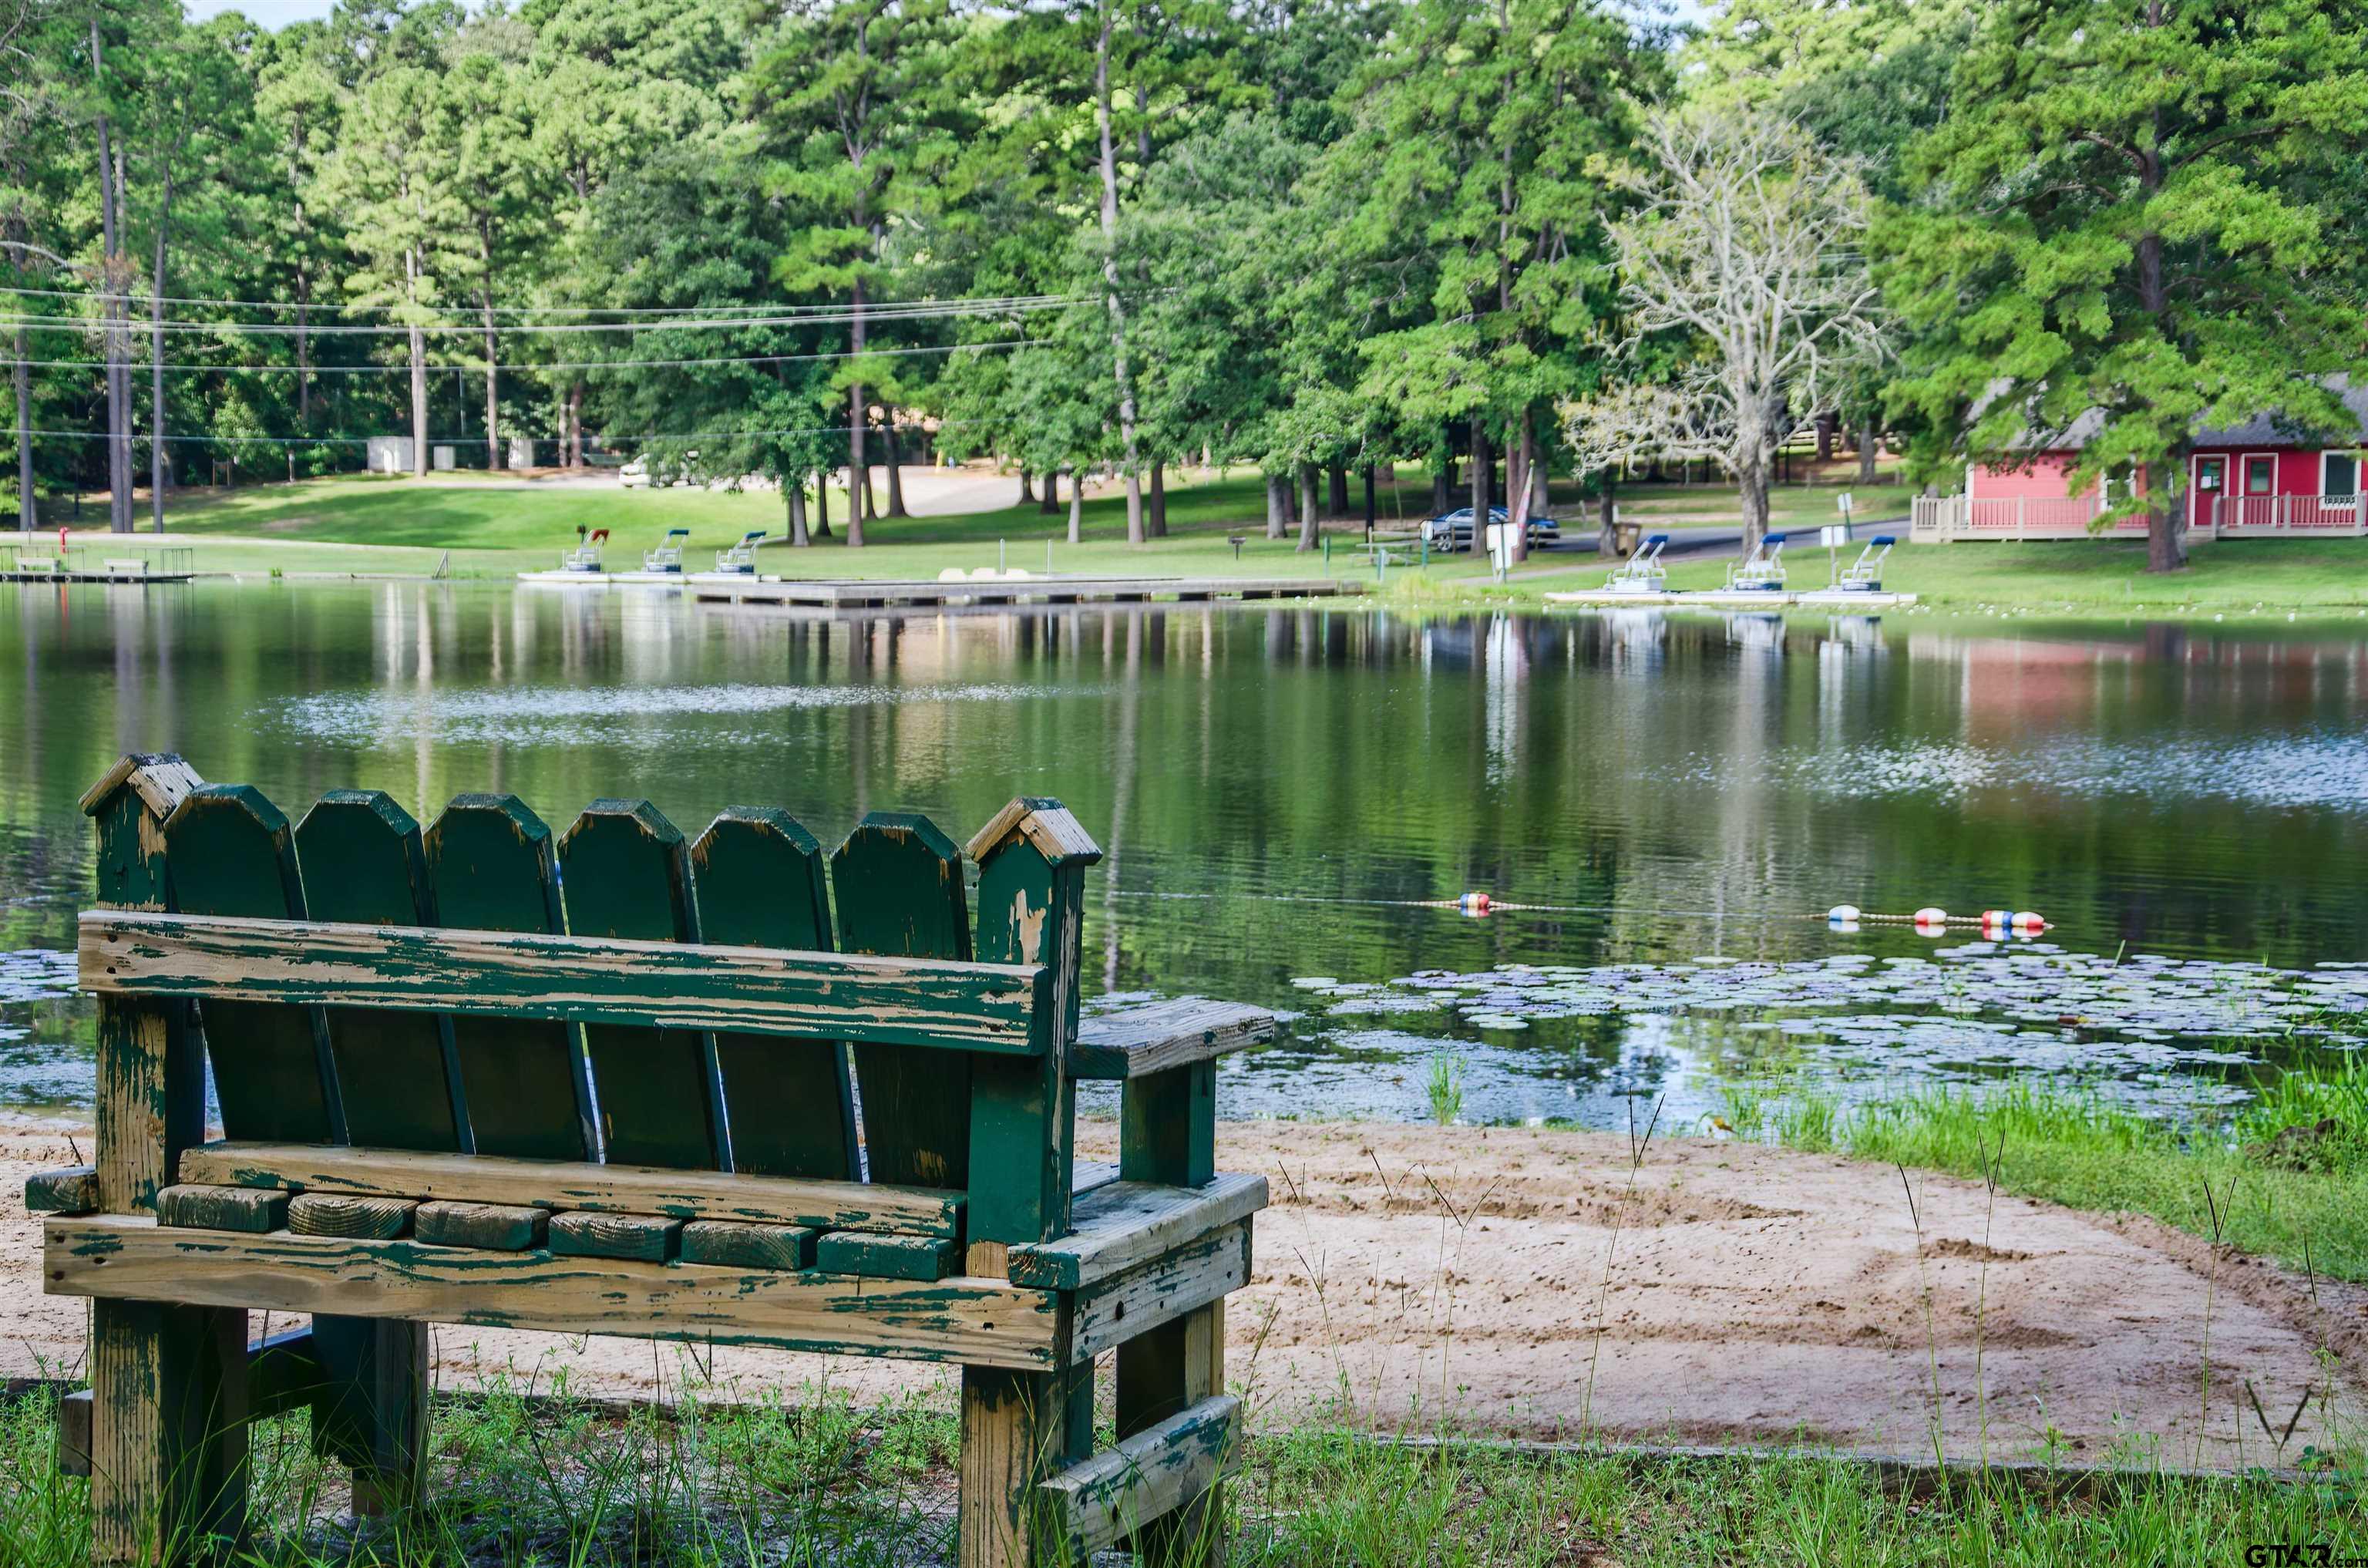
[(1736, 599), (850, 593), (120, 578)]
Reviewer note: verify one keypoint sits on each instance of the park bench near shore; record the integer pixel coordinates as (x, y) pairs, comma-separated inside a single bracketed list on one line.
[(449, 1094)]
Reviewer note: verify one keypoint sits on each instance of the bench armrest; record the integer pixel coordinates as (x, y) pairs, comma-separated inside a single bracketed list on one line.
[(1161, 1035)]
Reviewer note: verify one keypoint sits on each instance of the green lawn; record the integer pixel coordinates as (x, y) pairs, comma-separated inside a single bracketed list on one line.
[(367, 525)]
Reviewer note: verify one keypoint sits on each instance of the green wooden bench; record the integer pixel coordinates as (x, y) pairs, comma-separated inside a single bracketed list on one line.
[(451, 1093)]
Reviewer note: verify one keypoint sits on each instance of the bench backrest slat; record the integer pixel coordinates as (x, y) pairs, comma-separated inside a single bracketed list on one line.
[(623, 873), (232, 853), (492, 868), (899, 883), (362, 862), (759, 875)]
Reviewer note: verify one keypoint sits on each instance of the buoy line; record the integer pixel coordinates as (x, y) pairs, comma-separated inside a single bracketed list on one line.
[(1841, 917)]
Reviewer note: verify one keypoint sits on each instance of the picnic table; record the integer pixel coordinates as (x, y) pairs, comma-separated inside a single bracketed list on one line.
[(451, 1093)]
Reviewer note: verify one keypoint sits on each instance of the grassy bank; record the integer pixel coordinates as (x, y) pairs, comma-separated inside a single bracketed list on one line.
[(470, 529), (808, 1480), (2287, 1178)]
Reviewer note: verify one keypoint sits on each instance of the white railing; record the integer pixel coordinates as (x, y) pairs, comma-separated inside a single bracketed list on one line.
[(1940, 520), (2242, 517)]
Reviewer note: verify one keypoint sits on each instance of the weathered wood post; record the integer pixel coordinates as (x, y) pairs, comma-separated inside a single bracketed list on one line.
[(168, 1419), (1018, 1427)]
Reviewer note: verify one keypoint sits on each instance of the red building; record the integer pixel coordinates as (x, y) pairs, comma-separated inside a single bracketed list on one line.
[(2249, 480)]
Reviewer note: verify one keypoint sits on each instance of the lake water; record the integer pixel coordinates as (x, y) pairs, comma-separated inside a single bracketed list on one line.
[(1279, 791)]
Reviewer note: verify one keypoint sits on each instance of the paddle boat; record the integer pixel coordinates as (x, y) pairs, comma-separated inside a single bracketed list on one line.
[(586, 556), (1761, 572), (668, 556), (741, 559), (1865, 575), (1643, 572)]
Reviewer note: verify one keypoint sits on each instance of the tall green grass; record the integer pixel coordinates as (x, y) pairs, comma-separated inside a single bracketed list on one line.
[(2302, 1200), (811, 1481)]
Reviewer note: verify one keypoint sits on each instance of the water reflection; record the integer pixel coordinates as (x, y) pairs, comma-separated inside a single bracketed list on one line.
[(1276, 787)]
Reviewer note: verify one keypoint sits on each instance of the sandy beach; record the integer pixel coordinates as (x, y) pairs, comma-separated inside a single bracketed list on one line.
[(1517, 1281)]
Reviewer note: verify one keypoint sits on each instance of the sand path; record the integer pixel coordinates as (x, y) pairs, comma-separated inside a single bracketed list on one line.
[(1754, 1295)]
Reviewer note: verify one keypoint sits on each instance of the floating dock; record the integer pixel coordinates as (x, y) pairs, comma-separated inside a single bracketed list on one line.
[(850, 593), (116, 577), (1722, 599)]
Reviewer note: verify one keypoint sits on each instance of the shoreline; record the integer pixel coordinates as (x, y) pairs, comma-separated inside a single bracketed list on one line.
[(1523, 1283)]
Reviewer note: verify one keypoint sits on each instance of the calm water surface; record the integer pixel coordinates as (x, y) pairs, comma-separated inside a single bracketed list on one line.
[(1278, 788)]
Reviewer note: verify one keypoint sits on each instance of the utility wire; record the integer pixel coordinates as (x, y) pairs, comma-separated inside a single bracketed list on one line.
[(478, 368), (335, 309), (844, 315), (464, 438)]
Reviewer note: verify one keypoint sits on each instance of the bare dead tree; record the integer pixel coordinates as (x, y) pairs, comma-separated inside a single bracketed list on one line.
[(1745, 243)]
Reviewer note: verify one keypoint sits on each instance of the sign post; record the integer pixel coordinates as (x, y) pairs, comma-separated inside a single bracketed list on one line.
[(1834, 536)]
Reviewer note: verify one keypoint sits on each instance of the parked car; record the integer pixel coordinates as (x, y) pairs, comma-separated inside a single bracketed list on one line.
[(1452, 531)]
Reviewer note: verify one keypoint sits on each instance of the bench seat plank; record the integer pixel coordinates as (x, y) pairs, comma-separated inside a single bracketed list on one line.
[(986, 1322), (885, 1257), (642, 1236), (495, 1227), (943, 1004), (1129, 1222), (1122, 1306), (222, 1208), (571, 1183), (74, 1190), (731, 1245), (1160, 1035), (348, 1214)]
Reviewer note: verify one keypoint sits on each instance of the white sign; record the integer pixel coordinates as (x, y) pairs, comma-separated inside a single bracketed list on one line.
[(1500, 545), (1834, 535), (1844, 502)]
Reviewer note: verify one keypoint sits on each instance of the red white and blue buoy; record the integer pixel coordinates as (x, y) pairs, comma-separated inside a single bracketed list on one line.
[(2012, 922), (1474, 904), (1934, 921)]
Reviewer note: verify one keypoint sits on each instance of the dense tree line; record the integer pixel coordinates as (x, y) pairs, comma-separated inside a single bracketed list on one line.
[(781, 237)]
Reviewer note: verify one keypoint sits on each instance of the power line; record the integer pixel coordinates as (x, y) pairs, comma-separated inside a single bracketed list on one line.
[(478, 368), (686, 311), (842, 315), (464, 438)]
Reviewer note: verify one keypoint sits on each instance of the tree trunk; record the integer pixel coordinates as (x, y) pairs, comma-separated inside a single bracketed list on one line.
[(1369, 502), (118, 389), (1442, 484), (1516, 485), (2167, 519), (1026, 495), (575, 426), (493, 392), (1157, 523), (1110, 282), (303, 335), (156, 463), (1825, 428), (796, 489), (1868, 448), (1751, 485), (1534, 461), (1336, 490), (1483, 463), (858, 471), (1606, 519), (895, 459), (1076, 511), (1051, 504), (822, 504), (419, 404), (1278, 505), (26, 518), (1308, 513)]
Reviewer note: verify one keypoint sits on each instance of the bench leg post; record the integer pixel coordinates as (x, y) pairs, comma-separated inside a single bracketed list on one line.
[(1017, 1429), (372, 1415), (1161, 1372), (168, 1432)]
